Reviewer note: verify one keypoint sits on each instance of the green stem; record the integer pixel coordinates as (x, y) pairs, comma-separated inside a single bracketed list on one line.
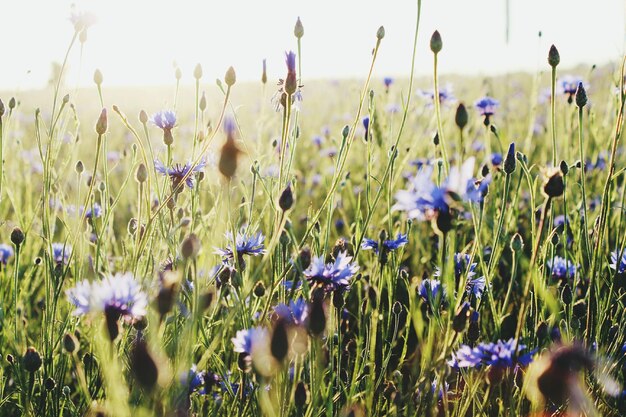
[(442, 140)]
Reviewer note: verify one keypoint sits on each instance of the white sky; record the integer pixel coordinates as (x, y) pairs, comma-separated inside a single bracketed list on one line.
[(136, 42)]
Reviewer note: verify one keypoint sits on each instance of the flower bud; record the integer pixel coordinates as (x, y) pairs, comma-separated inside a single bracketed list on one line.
[(17, 236), (264, 74), (190, 247), (197, 72), (435, 42), (178, 73), (142, 173), (581, 95), (143, 117), (298, 29), (143, 366), (12, 103), (97, 77), (564, 167), (31, 360), (380, 33), (509, 161), (279, 344), (259, 289), (202, 104), (285, 201), (70, 343), (517, 243), (554, 185), (459, 322), (553, 57), (301, 395), (101, 125), (230, 78), (461, 116)]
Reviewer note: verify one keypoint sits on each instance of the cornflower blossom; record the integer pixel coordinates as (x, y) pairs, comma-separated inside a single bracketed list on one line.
[(387, 81), (560, 268), (61, 253), (6, 253), (177, 172), (119, 295), (388, 245), (194, 380), (487, 107), (501, 355), (166, 121), (92, 212), (432, 291), (618, 262), (245, 340), (295, 313), (568, 84), (446, 96), (426, 200), (244, 245), (366, 127), (334, 276)]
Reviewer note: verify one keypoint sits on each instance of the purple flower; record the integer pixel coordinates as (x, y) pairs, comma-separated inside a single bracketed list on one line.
[(296, 312), (178, 172), (387, 81), (290, 60), (561, 268), (487, 107), (61, 253), (366, 126), (332, 276), (431, 291), (496, 159), (194, 379), (245, 340), (500, 355), (120, 293), (568, 84), (462, 265), (388, 245), (476, 286), (446, 96), (244, 245), (165, 119), (6, 253), (93, 212), (618, 262)]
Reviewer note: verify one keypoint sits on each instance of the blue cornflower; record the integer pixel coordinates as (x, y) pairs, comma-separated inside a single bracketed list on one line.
[(245, 340), (487, 106), (61, 252), (561, 269), (244, 245), (178, 172), (93, 212), (119, 293), (366, 126), (476, 286), (496, 159), (165, 119), (432, 291), (290, 60), (332, 276), (387, 81), (568, 84), (6, 252), (194, 379), (445, 95), (618, 266), (462, 265), (388, 245), (296, 312), (502, 354)]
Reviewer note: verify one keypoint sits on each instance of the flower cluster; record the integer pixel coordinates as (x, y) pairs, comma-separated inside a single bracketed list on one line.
[(561, 269), (502, 354), (388, 245), (334, 276)]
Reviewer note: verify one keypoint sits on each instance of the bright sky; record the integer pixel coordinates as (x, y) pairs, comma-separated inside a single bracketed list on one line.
[(136, 42)]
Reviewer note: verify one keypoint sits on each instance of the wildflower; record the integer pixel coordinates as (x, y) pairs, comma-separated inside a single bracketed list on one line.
[(366, 126), (61, 253), (618, 262), (496, 159), (388, 245), (462, 265), (245, 340), (166, 120), (244, 245), (446, 96), (120, 293), (487, 107), (194, 379), (229, 152), (291, 83), (568, 84), (561, 268), (431, 291), (178, 172), (387, 81), (82, 20), (502, 355), (6, 252), (332, 276), (93, 212), (296, 312), (476, 286)]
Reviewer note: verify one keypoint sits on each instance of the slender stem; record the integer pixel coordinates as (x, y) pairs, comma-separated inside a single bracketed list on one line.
[(552, 115), (582, 182), (442, 140)]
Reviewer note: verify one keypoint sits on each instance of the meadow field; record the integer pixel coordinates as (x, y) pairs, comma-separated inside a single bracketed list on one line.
[(425, 246)]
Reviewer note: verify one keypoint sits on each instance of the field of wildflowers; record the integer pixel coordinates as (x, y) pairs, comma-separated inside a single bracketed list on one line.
[(380, 247)]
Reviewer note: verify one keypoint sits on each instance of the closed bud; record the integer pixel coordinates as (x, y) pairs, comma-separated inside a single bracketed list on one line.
[(66, 99), (517, 243), (12, 103), (554, 185), (31, 360), (435, 42), (285, 201), (509, 161), (202, 104), (564, 167), (230, 78), (566, 295), (142, 173), (179, 74), (101, 125), (143, 366), (197, 72), (461, 116), (542, 330), (279, 344), (380, 33), (317, 315), (17, 236), (345, 132), (298, 29), (190, 247), (259, 289), (459, 322), (553, 57), (580, 309), (397, 308), (97, 77), (228, 158), (143, 117), (49, 384), (70, 343), (80, 167), (264, 73), (301, 395), (305, 257), (581, 95)]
